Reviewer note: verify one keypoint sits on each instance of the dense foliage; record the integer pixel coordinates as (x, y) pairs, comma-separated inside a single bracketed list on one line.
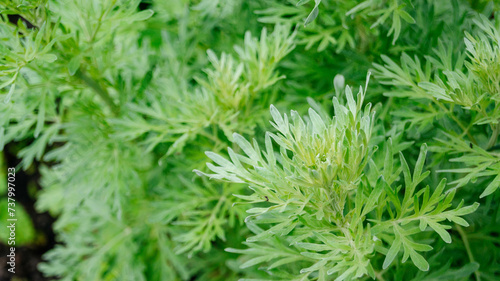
[(149, 124)]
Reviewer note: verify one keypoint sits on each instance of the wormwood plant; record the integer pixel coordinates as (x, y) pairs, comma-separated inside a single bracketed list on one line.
[(471, 83), (114, 103), (341, 23), (321, 213)]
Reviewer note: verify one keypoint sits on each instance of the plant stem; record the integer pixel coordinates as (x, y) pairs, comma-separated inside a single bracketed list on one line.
[(99, 90), (386, 108), (463, 235), (379, 275), (450, 112), (494, 137)]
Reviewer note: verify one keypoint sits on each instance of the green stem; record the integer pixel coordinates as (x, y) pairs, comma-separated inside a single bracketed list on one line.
[(386, 108), (485, 238), (99, 90), (450, 112), (463, 235), (494, 137), (379, 275)]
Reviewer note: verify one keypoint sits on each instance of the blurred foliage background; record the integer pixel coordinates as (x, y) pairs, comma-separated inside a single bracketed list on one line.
[(107, 107)]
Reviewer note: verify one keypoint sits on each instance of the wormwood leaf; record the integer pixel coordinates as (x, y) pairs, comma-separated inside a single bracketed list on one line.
[(246, 147), (141, 16), (314, 13), (393, 252), (419, 261), (374, 197), (10, 93), (492, 187), (417, 173), (318, 124), (441, 230)]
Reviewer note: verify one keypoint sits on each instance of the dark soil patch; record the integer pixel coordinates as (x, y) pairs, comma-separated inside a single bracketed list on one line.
[(28, 256)]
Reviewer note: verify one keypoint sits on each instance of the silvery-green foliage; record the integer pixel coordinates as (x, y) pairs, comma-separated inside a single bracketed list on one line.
[(114, 104), (316, 207), (83, 64), (227, 97), (340, 23), (471, 83)]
